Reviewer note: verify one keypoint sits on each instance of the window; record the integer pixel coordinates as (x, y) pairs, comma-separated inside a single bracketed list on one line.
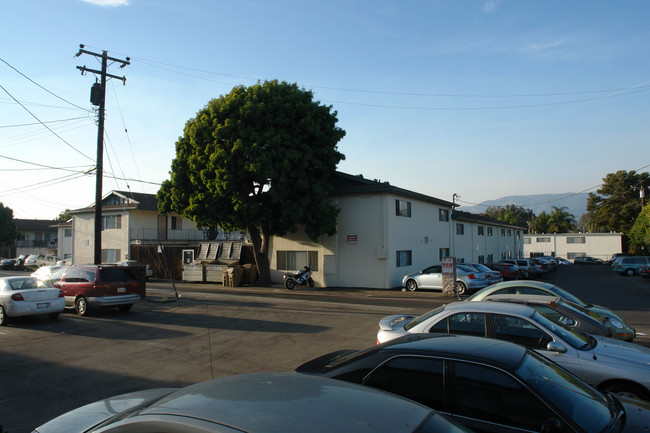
[(403, 208), (481, 230), (467, 324), (527, 240), (420, 379), (543, 240), (509, 233), (490, 258), (67, 233), (518, 233), (489, 231), (460, 229), (294, 260), (519, 331), (176, 223), (503, 232), (493, 396), (443, 215), (77, 275), (111, 255), (503, 255), (404, 258), (576, 240), (481, 260), (111, 222), (444, 252)]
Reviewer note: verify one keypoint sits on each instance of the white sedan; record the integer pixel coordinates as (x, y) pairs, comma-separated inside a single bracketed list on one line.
[(29, 296)]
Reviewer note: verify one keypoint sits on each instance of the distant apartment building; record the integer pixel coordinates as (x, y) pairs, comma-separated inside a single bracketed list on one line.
[(572, 245)]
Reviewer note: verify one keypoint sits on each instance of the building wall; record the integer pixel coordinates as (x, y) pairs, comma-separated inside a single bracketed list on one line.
[(64, 249), (83, 242), (570, 245)]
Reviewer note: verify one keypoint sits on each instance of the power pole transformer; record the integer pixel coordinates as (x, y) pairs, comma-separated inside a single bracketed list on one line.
[(98, 98)]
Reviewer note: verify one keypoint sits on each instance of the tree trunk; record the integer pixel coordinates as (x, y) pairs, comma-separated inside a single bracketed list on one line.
[(260, 251)]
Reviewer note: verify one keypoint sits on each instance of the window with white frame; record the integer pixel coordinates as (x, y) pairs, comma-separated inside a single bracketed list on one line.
[(489, 231), (481, 230), (544, 240), (443, 215), (444, 252), (111, 255), (576, 240), (67, 233), (460, 229), (296, 260), (176, 223), (404, 258)]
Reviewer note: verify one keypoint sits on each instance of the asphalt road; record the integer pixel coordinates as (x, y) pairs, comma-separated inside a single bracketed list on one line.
[(50, 367)]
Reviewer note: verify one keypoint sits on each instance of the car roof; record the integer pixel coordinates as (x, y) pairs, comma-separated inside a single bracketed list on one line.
[(466, 347), (272, 402), (536, 299), (490, 307)]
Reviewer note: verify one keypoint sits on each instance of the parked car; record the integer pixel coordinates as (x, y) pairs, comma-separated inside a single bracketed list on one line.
[(135, 263), (563, 261), (7, 264), (532, 269), (605, 363), (509, 271), (616, 256), (644, 271), (32, 259), (562, 312), (28, 296), (587, 260), (467, 279), (256, 403), (623, 330), (490, 386), (630, 265), (491, 275), (44, 272), (545, 264), (96, 286)]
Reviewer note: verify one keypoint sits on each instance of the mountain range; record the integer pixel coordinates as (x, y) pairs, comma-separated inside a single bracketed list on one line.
[(576, 203)]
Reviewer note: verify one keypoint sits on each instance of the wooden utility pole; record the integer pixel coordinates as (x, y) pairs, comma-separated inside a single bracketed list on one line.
[(98, 98)]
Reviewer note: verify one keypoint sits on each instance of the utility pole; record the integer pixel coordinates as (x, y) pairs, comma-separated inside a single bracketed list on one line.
[(98, 98)]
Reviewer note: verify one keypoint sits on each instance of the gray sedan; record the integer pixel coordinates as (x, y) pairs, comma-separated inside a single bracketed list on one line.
[(467, 279), (605, 363), (262, 402)]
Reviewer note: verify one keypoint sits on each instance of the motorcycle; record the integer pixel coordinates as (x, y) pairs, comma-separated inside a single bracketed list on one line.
[(300, 278)]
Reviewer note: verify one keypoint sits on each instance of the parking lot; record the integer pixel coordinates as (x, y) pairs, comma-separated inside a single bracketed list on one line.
[(49, 367)]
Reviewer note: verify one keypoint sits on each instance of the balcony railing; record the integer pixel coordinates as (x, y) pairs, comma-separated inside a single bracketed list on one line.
[(52, 244)]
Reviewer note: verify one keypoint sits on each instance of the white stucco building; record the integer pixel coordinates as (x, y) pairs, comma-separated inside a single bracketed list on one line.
[(572, 245), (385, 232)]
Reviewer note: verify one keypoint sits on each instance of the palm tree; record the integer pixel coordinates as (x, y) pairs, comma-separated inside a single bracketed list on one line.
[(560, 220)]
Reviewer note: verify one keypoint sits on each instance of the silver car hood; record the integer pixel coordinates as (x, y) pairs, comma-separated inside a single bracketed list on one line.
[(90, 415), (621, 352)]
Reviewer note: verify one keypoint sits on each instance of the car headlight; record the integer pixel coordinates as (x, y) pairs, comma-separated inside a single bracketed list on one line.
[(616, 324)]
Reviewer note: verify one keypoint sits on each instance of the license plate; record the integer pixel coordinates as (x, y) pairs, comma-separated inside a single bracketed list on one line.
[(121, 290), (43, 305)]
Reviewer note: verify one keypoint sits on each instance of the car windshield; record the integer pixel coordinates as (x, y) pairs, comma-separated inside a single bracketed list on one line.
[(570, 305), (568, 393), (423, 318), (576, 340), (566, 295)]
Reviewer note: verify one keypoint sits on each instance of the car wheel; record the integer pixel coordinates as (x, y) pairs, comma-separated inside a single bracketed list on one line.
[(3, 316), (628, 390), (411, 285), (53, 316), (461, 288), (124, 308), (81, 306), (629, 272)]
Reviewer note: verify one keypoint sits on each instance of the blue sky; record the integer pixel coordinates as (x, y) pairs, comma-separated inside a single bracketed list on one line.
[(479, 98)]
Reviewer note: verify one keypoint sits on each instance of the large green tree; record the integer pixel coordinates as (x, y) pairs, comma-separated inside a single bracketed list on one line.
[(511, 214), (640, 231), (540, 223), (259, 159), (560, 220), (616, 204), (7, 227)]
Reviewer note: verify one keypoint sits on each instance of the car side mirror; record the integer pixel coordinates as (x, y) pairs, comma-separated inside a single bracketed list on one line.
[(554, 346), (551, 425)]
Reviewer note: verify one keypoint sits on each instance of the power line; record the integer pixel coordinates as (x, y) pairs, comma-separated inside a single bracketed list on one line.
[(39, 165), (18, 125)]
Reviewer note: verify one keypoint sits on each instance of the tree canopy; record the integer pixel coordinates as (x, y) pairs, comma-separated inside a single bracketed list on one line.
[(259, 159), (64, 216), (511, 214), (7, 227), (616, 204), (640, 231)]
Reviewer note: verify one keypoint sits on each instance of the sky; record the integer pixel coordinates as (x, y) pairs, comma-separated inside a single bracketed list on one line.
[(482, 98)]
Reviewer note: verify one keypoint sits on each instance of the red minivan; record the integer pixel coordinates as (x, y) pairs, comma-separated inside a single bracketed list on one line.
[(97, 286)]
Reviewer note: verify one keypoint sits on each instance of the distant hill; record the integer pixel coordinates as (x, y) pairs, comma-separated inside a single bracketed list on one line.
[(576, 203)]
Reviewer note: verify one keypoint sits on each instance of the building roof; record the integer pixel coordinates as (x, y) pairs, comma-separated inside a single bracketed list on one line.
[(23, 225), (348, 184), (481, 219), (126, 200)]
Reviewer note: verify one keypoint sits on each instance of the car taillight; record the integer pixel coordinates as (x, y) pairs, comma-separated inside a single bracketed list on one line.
[(60, 293), (471, 276), (17, 297), (377, 342)]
